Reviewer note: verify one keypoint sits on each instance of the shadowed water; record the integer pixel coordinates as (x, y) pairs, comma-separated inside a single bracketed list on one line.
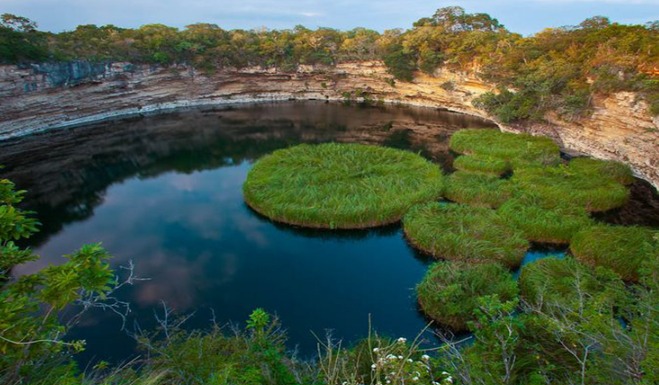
[(165, 193)]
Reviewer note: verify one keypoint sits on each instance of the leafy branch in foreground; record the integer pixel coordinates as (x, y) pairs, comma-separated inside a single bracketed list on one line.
[(32, 333)]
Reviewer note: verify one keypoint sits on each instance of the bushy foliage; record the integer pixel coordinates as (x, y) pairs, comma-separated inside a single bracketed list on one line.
[(31, 332), (450, 291)]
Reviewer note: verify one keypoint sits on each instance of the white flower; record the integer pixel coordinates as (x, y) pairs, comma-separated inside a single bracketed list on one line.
[(425, 357), (375, 350), (410, 360), (449, 379), (391, 357), (373, 366), (402, 340), (446, 373), (415, 378), (400, 357)]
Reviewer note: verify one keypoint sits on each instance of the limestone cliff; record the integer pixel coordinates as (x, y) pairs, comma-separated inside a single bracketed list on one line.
[(42, 97)]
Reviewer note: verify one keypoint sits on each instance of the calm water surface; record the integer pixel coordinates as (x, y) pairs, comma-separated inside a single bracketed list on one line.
[(165, 193)]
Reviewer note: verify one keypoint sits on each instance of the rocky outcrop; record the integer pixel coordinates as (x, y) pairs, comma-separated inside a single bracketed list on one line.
[(43, 97)]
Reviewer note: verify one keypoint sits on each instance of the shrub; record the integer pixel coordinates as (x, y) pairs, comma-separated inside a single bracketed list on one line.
[(450, 290), (478, 189), (458, 232), (619, 248), (340, 185)]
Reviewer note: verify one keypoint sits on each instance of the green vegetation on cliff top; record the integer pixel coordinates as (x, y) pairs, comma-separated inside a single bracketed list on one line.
[(559, 69)]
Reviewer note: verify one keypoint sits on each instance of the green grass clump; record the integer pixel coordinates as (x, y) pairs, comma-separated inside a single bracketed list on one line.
[(564, 185), (555, 283), (616, 171), (340, 186), (481, 163), (519, 150), (538, 224), (620, 248), (449, 291), (458, 232), (478, 189)]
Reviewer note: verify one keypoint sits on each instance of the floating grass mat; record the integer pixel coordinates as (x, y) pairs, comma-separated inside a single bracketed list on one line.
[(564, 282), (612, 170), (623, 249), (519, 150), (560, 185), (481, 163), (450, 291), (556, 226), (478, 189), (340, 186), (459, 232)]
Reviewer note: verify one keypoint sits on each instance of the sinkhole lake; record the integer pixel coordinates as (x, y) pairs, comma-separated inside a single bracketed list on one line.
[(164, 192)]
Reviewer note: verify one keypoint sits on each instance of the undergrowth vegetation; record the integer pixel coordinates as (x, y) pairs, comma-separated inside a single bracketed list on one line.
[(340, 186)]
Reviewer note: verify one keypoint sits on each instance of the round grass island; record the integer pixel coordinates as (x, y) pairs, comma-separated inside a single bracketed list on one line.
[(340, 186)]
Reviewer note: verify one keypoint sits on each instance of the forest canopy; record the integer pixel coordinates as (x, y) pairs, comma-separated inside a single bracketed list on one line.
[(557, 69)]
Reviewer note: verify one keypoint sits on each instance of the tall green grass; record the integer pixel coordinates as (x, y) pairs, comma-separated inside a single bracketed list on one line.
[(557, 225), (560, 185), (481, 163), (449, 291), (478, 189), (564, 282), (464, 233), (519, 150), (613, 170), (340, 186), (619, 248)]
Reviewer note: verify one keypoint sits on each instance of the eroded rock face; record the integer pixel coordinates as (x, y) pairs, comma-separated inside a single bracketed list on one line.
[(38, 98)]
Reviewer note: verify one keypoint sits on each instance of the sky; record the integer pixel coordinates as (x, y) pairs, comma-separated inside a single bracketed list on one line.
[(525, 17)]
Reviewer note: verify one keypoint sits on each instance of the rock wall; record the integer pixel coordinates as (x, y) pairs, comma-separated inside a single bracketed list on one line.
[(49, 96)]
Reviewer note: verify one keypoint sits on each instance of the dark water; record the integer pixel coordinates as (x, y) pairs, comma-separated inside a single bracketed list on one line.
[(165, 192)]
